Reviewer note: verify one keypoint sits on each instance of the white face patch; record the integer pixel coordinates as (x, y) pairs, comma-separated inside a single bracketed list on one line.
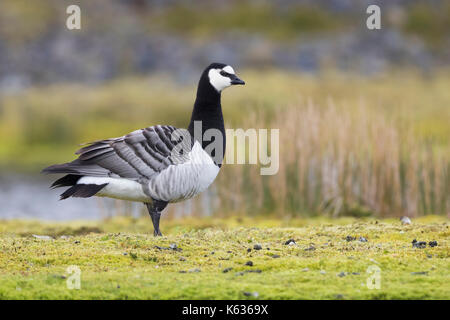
[(228, 69), (218, 81)]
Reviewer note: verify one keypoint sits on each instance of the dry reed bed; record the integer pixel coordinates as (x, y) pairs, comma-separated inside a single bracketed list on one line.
[(339, 161)]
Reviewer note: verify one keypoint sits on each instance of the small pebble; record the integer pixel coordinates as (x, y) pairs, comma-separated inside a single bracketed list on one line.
[(77, 242), (249, 250), (339, 296), (305, 269), (432, 243), (174, 247), (239, 273), (194, 270), (350, 238), (249, 263), (311, 248), (323, 272), (362, 239), (419, 244), (42, 237), (227, 270), (254, 271), (420, 273), (275, 256), (405, 220), (290, 242), (125, 253), (257, 247), (182, 259), (256, 294), (247, 294), (341, 274)]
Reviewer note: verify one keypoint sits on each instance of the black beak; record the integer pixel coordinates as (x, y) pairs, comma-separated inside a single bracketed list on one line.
[(236, 80)]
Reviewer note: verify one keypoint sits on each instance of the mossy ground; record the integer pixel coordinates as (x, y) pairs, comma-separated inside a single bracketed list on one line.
[(119, 259)]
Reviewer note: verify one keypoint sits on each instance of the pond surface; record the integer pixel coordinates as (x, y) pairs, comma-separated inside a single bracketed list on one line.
[(30, 197)]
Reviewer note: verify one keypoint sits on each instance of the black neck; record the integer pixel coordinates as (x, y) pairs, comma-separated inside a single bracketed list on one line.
[(208, 110)]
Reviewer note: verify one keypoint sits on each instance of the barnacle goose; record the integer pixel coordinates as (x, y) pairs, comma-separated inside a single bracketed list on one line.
[(142, 165)]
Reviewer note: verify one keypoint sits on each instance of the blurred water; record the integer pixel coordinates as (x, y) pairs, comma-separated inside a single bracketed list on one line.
[(29, 197)]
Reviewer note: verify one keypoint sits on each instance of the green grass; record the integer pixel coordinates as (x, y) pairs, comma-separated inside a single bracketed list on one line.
[(118, 259), (420, 19)]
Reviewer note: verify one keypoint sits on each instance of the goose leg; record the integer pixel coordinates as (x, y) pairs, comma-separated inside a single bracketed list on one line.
[(154, 209), (155, 219)]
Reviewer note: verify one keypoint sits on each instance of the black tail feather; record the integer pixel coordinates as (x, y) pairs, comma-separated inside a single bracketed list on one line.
[(66, 181), (58, 168), (77, 167), (82, 191)]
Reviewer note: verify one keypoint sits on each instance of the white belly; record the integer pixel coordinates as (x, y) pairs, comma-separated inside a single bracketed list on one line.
[(186, 180), (118, 188)]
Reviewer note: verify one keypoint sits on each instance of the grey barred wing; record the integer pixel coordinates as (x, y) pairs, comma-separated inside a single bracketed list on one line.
[(141, 154)]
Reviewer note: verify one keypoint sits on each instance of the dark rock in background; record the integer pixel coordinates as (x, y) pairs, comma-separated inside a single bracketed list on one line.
[(118, 40)]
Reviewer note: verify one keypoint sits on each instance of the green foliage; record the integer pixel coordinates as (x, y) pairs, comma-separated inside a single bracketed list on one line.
[(22, 21), (120, 259), (429, 22), (51, 120), (248, 17)]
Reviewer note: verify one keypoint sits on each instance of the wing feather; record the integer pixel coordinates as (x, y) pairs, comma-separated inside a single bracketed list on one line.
[(141, 154)]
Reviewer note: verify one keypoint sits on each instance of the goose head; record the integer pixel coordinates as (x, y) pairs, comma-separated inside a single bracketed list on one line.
[(222, 76)]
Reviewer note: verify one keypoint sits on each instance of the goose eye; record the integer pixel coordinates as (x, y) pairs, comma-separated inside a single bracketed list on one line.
[(223, 73)]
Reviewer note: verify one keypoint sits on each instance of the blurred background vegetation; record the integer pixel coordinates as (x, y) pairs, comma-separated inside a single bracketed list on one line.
[(364, 115)]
